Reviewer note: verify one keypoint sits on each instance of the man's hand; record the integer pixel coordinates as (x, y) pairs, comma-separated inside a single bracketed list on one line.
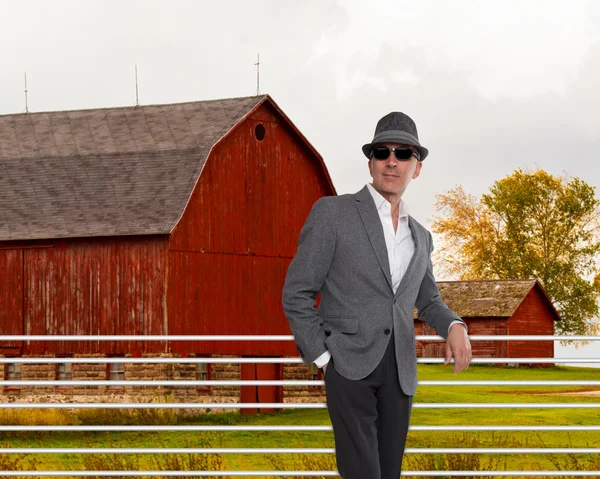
[(325, 368), (458, 344)]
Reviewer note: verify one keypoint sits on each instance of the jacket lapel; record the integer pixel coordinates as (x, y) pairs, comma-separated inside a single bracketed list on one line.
[(370, 218), (419, 242)]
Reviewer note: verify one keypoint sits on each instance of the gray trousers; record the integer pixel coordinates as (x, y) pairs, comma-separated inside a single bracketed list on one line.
[(370, 419)]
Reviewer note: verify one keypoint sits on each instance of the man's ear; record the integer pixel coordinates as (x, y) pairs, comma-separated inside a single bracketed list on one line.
[(417, 171)]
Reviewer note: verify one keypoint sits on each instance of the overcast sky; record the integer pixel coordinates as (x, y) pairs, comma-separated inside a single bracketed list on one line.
[(492, 85)]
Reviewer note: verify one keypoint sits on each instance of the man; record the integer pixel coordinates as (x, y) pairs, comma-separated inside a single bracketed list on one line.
[(371, 262)]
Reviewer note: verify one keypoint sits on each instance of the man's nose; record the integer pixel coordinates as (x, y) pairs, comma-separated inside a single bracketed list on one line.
[(391, 160)]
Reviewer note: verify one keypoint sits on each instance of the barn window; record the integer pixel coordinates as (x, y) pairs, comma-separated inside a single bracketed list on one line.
[(63, 371), (260, 132), (12, 372), (116, 371), (203, 373)]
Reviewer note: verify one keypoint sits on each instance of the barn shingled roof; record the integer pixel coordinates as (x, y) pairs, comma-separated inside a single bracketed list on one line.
[(107, 172), (488, 298)]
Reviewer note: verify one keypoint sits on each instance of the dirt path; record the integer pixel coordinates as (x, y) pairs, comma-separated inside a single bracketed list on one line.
[(592, 393)]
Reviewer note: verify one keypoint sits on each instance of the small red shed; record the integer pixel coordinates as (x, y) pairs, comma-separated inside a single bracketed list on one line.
[(497, 307), (163, 219)]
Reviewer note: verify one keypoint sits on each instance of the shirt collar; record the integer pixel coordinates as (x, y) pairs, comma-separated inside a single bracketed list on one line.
[(380, 201)]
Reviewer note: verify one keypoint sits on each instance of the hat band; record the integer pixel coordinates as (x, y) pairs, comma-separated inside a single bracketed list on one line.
[(395, 136)]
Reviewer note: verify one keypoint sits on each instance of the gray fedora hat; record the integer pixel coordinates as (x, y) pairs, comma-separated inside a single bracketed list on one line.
[(396, 127)]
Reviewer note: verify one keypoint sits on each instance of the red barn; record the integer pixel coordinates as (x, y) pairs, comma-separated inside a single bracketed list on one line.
[(497, 307), (161, 219)]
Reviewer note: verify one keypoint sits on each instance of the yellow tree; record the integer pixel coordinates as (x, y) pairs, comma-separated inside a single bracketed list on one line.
[(531, 224)]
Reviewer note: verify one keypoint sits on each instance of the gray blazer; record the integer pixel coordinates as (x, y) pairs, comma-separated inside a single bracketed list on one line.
[(342, 255)]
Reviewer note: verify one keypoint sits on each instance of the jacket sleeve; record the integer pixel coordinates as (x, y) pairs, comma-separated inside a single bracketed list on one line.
[(429, 303), (305, 277)]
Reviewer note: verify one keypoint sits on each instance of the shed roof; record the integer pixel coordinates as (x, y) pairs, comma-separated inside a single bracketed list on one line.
[(489, 298), (111, 171)]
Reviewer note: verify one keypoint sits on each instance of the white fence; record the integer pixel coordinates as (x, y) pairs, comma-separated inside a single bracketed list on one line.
[(233, 473)]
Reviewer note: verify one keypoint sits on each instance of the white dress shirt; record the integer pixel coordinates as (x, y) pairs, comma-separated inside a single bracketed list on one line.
[(400, 246)]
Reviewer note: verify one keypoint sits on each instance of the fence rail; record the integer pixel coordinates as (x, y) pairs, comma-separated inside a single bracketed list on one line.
[(291, 450), (290, 473), (273, 405), (92, 428), (271, 337), (153, 360), (271, 382), (180, 383)]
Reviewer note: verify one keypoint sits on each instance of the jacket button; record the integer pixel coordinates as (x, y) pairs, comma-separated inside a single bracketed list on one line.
[(387, 331)]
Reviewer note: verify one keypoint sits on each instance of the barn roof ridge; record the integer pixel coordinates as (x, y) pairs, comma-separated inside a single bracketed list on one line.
[(133, 107)]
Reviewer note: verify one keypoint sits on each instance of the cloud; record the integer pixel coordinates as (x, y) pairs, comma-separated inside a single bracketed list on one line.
[(407, 77), (507, 48)]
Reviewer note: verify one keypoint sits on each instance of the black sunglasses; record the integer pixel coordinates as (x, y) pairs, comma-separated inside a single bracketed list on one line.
[(383, 153)]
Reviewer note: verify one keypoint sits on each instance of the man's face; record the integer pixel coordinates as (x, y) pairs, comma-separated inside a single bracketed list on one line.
[(391, 176)]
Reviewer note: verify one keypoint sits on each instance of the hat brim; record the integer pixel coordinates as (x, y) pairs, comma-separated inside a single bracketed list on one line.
[(395, 137)]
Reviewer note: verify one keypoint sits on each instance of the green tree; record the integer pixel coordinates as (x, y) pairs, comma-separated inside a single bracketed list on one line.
[(531, 224)]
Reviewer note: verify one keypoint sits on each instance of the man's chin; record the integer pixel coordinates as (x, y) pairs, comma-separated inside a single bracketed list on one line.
[(388, 189)]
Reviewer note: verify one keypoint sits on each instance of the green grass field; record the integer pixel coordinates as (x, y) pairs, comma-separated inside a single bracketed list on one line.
[(420, 439)]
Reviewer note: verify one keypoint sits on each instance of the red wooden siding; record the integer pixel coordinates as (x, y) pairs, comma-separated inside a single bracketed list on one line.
[(481, 349), (11, 295), (261, 394), (94, 287), (229, 253), (533, 316), (227, 294)]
